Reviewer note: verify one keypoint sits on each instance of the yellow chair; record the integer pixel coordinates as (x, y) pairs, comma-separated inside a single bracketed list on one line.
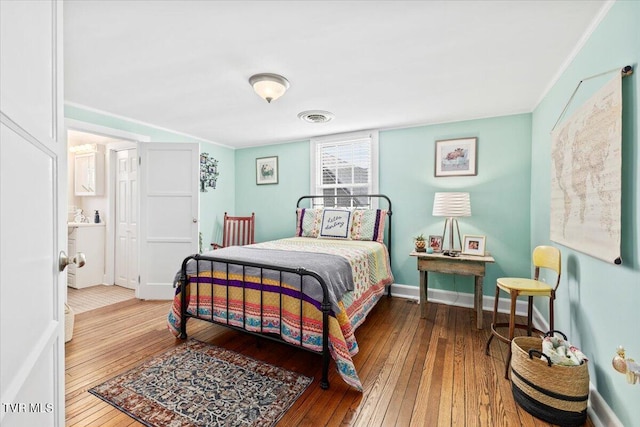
[(543, 257)]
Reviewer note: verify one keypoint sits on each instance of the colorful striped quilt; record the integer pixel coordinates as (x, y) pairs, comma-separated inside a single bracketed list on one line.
[(371, 273)]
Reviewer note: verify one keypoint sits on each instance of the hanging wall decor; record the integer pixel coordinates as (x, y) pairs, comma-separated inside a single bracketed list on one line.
[(586, 173), (456, 157), (267, 170), (208, 172)]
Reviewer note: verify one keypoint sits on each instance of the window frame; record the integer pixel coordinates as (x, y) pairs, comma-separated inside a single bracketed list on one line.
[(316, 186)]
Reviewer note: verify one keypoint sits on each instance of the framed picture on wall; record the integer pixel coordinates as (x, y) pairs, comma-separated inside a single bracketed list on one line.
[(473, 245), (456, 157), (267, 170)]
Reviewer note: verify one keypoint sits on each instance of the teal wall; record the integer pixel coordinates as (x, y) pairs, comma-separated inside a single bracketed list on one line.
[(598, 303), (213, 203), (406, 176), (273, 204), (407, 159)]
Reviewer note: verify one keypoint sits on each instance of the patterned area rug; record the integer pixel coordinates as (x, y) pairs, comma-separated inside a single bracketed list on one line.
[(196, 384)]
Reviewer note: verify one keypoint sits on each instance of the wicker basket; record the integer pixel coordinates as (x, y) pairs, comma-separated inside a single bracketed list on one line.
[(554, 393), (69, 319)]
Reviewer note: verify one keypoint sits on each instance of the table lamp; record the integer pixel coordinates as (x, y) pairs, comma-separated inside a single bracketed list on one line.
[(451, 206)]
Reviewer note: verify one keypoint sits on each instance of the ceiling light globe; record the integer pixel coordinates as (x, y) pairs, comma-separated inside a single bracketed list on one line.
[(269, 86)]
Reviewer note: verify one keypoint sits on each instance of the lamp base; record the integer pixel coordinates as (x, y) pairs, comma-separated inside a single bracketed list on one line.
[(452, 248)]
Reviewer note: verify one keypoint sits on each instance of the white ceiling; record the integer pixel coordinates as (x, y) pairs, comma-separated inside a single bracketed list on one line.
[(185, 65)]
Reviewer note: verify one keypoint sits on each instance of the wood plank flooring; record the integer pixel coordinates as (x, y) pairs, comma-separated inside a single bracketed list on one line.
[(415, 372)]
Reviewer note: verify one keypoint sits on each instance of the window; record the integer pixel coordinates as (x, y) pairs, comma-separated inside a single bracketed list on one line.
[(345, 164)]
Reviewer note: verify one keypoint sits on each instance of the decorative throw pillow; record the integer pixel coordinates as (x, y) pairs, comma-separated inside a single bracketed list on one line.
[(368, 224), (336, 224), (308, 222)]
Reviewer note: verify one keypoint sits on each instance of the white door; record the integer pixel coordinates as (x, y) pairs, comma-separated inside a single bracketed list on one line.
[(33, 214), (126, 245), (168, 174)]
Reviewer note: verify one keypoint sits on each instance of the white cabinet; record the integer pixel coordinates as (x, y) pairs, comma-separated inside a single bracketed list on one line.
[(89, 173), (88, 239)]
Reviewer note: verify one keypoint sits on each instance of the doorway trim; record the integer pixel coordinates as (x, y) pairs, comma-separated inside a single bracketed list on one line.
[(129, 140)]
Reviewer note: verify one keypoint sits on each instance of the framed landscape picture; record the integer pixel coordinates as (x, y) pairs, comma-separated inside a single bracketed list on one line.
[(267, 170), (456, 157)]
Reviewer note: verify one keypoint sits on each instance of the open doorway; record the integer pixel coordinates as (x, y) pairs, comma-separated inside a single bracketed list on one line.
[(107, 215)]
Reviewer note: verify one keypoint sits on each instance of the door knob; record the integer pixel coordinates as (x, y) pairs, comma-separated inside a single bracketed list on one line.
[(63, 260), (195, 220)]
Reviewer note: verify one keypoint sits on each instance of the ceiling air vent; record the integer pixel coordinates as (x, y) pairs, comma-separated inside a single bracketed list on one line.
[(316, 116)]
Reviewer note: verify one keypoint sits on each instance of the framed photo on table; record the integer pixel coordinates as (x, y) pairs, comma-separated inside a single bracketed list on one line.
[(267, 170), (473, 245), (435, 243), (456, 157)]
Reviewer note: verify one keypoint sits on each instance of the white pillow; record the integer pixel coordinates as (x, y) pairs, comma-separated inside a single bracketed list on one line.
[(336, 224)]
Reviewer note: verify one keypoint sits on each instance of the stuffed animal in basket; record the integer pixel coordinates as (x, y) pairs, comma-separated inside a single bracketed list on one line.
[(561, 352)]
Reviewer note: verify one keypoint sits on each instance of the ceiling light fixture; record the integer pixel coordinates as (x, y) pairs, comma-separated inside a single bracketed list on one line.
[(269, 86)]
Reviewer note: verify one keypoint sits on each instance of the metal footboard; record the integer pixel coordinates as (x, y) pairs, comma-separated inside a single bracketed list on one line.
[(202, 260)]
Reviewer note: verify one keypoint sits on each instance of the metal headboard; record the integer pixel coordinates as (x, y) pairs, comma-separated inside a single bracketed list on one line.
[(355, 201)]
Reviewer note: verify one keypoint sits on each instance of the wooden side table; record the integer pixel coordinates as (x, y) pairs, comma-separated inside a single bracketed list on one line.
[(465, 265)]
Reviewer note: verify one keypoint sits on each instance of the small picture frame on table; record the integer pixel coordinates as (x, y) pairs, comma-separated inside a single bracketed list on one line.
[(456, 157), (435, 243), (473, 245), (267, 170)]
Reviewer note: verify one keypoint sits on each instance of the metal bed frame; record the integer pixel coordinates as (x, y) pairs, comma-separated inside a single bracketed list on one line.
[(354, 200), (325, 305)]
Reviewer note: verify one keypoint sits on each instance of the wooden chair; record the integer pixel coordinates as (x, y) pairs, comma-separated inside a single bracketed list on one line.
[(543, 257), (237, 231)]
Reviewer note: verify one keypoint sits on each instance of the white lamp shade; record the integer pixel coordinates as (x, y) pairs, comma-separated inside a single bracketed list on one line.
[(269, 86), (452, 205)]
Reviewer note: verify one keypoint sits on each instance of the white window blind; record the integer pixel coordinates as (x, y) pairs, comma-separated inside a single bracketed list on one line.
[(345, 165)]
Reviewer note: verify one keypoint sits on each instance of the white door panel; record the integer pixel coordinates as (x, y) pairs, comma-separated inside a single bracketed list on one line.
[(121, 261), (26, 252), (167, 178), (27, 33), (132, 205), (33, 214), (33, 405), (170, 210), (126, 249), (168, 229), (164, 272), (132, 274)]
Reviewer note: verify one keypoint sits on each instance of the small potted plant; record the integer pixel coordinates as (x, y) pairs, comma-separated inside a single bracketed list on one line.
[(420, 243)]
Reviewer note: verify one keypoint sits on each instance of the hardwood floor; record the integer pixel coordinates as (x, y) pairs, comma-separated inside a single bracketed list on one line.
[(416, 372)]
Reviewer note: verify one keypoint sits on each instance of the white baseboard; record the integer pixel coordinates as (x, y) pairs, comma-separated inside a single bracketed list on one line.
[(405, 291), (458, 299), (598, 409), (599, 412)]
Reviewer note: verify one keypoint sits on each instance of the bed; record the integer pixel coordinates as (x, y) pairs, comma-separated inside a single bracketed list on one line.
[(311, 290)]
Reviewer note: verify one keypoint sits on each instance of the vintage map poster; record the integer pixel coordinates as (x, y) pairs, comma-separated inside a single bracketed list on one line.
[(586, 181)]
